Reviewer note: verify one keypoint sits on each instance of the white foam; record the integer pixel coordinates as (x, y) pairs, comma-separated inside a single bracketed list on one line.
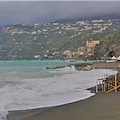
[(66, 70), (44, 92)]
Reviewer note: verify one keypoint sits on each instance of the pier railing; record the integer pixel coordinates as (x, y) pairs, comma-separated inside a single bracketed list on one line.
[(109, 83)]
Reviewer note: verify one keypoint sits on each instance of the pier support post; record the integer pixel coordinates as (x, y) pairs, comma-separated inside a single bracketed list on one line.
[(96, 86), (99, 86), (104, 86), (115, 83)]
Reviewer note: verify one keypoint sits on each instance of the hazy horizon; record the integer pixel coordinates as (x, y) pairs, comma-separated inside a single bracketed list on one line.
[(30, 12)]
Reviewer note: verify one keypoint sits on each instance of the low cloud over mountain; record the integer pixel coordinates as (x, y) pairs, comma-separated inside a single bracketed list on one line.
[(30, 12)]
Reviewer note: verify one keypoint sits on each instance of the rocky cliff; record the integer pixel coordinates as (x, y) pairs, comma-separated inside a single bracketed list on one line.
[(109, 46)]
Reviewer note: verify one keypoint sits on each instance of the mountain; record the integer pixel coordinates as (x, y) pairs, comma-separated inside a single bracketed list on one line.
[(103, 17), (109, 46), (52, 40)]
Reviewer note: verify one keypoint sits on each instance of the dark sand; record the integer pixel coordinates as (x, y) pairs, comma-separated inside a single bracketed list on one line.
[(102, 106)]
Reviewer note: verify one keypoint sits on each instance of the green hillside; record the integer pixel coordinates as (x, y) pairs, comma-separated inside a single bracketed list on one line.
[(49, 41), (109, 46)]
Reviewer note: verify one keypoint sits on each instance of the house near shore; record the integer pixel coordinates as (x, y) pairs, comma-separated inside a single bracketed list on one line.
[(92, 43), (68, 53), (90, 46), (36, 56)]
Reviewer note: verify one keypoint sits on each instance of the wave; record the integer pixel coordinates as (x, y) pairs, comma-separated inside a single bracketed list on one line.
[(29, 93)]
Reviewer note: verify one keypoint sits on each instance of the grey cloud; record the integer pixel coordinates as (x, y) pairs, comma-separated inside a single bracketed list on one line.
[(30, 12)]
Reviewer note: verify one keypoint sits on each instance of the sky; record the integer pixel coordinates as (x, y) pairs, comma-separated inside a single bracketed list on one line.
[(30, 12)]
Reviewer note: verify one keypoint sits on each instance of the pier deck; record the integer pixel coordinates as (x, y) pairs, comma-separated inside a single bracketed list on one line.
[(109, 83)]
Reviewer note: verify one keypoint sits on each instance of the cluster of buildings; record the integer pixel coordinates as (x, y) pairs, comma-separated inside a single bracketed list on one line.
[(71, 29), (82, 52), (98, 26), (79, 53)]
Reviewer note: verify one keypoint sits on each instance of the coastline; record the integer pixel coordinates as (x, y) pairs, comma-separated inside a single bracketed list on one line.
[(98, 107), (106, 65), (102, 106), (99, 65), (90, 66), (27, 114)]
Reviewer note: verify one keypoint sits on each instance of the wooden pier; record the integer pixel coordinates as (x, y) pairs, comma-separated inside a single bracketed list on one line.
[(109, 83)]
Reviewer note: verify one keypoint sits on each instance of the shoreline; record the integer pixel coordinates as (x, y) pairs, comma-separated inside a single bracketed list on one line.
[(101, 106), (99, 65), (93, 108), (22, 114), (26, 114), (90, 66), (82, 109)]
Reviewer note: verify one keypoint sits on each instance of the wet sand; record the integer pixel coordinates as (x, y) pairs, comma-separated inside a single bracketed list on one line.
[(102, 106)]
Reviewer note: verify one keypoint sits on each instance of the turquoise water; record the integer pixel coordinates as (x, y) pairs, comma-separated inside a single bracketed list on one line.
[(30, 67), (27, 84), (27, 69), (40, 63)]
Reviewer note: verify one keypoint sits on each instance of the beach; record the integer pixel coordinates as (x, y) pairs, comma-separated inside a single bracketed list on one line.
[(102, 106)]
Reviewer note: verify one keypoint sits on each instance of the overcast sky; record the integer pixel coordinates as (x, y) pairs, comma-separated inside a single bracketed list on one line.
[(30, 12)]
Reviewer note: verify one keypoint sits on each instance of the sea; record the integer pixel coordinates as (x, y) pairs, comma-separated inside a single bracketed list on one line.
[(27, 84)]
